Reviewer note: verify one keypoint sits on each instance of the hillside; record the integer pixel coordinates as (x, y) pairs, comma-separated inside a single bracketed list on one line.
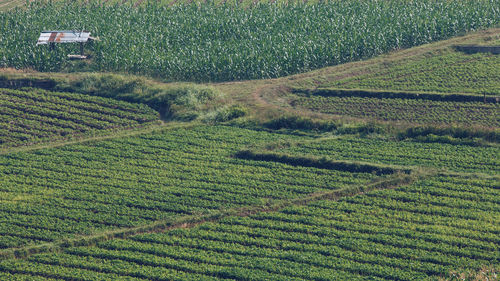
[(404, 87), (382, 166)]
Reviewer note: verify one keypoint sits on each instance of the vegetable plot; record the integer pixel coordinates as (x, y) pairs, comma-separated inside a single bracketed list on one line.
[(411, 111), (419, 232), (460, 158), (32, 116), (50, 194)]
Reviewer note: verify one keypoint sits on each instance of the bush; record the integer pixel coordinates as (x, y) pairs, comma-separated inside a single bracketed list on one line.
[(226, 114), (182, 102), (300, 123), (449, 134)]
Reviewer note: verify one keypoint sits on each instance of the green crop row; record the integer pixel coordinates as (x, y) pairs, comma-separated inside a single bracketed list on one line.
[(33, 115), (446, 72), (58, 193), (225, 42), (409, 111), (463, 158), (324, 240)]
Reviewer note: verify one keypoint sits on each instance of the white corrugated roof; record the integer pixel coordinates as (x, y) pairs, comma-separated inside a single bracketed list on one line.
[(63, 36)]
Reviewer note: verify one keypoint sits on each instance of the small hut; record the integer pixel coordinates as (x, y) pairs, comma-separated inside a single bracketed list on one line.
[(66, 36)]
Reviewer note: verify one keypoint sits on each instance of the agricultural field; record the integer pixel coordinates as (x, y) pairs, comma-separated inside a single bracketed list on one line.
[(32, 116), (417, 232), (432, 84), (224, 43), (438, 155), (446, 72), (411, 111), (84, 189), (371, 154)]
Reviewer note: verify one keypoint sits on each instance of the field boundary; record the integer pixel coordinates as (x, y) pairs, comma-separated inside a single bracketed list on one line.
[(390, 182), (472, 49), (321, 163), (388, 94)]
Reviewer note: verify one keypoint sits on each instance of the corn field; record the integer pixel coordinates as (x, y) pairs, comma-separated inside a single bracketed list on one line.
[(208, 42)]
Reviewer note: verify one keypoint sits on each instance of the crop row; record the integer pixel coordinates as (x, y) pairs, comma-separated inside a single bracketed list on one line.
[(225, 42), (405, 110), (33, 116), (324, 240), (448, 71), (407, 153), (96, 104), (236, 3), (137, 180)]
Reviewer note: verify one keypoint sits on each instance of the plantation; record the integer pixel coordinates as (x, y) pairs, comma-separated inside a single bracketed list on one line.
[(154, 159), (449, 72), (420, 231), (437, 155), (224, 42), (32, 116), (411, 111), (59, 193)]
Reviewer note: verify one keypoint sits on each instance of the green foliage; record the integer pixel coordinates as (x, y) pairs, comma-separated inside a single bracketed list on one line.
[(209, 42), (183, 102), (409, 111), (294, 122), (453, 132), (460, 158), (392, 94), (321, 163), (484, 274), (32, 115), (225, 114), (445, 71), (61, 193), (421, 231)]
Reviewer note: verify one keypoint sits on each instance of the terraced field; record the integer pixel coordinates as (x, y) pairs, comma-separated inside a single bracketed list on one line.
[(410, 111), (74, 190), (379, 169), (32, 116), (416, 232), (448, 71), (433, 84), (458, 158)]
